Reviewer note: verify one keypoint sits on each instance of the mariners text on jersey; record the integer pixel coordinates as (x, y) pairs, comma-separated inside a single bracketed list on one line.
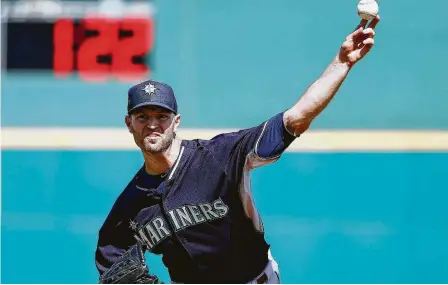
[(201, 217), (157, 230)]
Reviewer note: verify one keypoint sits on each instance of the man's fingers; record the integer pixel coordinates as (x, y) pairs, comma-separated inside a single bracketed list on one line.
[(368, 44), (355, 34), (363, 23), (369, 32), (358, 30), (363, 36), (374, 22), (368, 41)]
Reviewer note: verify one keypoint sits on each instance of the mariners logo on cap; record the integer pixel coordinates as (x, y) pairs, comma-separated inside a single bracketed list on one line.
[(150, 89)]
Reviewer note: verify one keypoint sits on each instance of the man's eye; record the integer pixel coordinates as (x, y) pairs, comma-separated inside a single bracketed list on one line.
[(163, 117), (142, 117)]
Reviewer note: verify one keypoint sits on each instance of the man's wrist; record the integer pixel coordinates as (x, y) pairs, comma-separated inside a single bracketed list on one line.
[(338, 62)]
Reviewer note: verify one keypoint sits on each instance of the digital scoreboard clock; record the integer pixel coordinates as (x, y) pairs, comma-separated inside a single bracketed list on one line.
[(97, 48)]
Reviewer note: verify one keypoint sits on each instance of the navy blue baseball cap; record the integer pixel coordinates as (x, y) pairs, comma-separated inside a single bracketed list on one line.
[(152, 93)]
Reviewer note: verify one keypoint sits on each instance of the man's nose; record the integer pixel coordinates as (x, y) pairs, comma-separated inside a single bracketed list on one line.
[(152, 123)]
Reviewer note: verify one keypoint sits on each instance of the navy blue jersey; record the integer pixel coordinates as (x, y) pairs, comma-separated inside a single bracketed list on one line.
[(201, 216)]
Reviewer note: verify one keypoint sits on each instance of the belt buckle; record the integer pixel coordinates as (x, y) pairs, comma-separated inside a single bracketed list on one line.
[(262, 279)]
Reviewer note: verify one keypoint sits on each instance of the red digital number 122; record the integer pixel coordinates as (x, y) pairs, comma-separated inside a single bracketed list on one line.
[(106, 42)]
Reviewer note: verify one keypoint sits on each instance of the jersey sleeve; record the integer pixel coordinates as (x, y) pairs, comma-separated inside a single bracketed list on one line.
[(114, 237), (272, 140), (254, 146)]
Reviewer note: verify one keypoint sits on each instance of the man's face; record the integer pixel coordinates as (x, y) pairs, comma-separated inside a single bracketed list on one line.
[(153, 128)]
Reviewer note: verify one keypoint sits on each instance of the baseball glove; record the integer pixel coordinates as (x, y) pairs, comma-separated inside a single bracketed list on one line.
[(131, 268)]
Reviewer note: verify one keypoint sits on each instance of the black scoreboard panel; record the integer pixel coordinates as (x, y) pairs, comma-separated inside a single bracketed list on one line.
[(28, 45), (85, 46)]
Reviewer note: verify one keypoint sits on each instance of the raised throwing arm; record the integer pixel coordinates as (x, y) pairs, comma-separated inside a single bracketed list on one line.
[(319, 94)]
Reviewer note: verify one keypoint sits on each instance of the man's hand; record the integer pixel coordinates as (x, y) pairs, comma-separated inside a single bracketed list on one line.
[(358, 43)]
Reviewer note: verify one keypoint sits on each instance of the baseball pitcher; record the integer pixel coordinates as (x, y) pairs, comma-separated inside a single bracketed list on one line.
[(191, 201)]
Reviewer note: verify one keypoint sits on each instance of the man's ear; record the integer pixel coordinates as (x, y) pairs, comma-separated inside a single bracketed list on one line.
[(128, 122), (176, 122)]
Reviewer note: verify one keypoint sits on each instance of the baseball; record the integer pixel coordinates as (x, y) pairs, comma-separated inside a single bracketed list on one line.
[(368, 9)]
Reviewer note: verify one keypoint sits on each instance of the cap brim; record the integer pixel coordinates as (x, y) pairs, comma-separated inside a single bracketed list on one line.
[(152, 104)]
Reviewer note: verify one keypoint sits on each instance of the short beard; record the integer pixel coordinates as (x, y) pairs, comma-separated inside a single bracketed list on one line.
[(162, 144)]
